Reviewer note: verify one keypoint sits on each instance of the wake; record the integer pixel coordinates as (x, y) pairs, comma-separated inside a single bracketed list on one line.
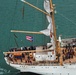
[(3, 71)]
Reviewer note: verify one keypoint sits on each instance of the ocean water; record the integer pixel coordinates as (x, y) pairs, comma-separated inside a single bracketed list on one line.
[(15, 15), (9, 72), (14, 72)]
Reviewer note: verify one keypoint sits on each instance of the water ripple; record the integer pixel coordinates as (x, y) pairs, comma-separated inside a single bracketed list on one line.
[(4, 71)]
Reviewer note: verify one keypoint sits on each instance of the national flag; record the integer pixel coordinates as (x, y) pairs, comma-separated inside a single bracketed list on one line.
[(30, 38)]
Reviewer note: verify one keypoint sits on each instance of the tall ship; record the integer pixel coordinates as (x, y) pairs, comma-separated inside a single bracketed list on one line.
[(58, 57)]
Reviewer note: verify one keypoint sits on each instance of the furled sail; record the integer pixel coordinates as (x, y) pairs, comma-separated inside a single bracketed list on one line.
[(49, 27), (46, 32), (49, 19), (47, 6), (49, 30)]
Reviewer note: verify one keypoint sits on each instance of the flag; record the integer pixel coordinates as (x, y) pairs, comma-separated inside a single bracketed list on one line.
[(29, 38)]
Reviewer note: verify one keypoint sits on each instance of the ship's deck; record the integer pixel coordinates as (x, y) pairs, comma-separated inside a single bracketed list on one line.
[(67, 60), (67, 53)]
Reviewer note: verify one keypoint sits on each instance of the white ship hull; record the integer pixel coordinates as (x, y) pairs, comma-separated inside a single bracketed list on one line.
[(46, 70)]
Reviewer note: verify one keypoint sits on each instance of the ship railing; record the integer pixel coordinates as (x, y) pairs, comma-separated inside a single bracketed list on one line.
[(44, 63), (73, 63)]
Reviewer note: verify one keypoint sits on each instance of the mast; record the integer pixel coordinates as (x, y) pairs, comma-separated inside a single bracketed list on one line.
[(54, 34), (53, 23)]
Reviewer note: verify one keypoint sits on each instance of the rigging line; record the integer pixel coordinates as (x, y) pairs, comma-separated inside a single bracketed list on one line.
[(16, 42), (15, 35), (67, 18)]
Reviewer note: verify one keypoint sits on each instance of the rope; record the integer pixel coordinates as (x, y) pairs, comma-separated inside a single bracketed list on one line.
[(67, 18), (69, 21)]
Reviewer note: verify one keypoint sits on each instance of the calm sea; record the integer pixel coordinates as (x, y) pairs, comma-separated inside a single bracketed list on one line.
[(15, 15)]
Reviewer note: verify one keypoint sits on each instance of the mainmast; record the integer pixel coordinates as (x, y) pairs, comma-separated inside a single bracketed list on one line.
[(53, 23)]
